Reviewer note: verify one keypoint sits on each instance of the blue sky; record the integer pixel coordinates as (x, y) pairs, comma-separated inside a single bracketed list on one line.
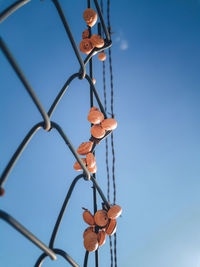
[(156, 61)]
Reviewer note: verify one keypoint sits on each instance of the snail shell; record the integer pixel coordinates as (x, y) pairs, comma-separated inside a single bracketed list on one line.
[(95, 117), (112, 227), (88, 218), (101, 236), (93, 169), (87, 231), (2, 192), (90, 16), (97, 131), (94, 109), (97, 40), (85, 34), (114, 212), (77, 166), (85, 148), (94, 80), (86, 46), (90, 160), (101, 218), (102, 56), (109, 124), (91, 242)]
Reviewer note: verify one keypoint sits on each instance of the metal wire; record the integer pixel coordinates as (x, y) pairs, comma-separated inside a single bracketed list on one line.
[(48, 125), (57, 252), (112, 136), (21, 229), (12, 8), (25, 82)]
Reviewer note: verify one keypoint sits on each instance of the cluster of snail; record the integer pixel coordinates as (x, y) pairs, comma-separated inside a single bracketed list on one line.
[(98, 131), (88, 42), (101, 224)]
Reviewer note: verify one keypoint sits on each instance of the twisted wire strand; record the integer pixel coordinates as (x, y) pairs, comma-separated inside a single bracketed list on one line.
[(106, 143), (115, 248), (111, 252), (112, 136)]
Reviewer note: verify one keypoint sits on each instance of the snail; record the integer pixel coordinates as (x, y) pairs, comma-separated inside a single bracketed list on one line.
[(97, 131), (91, 242), (109, 124), (95, 117), (77, 166), (101, 236), (94, 109), (2, 192), (86, 46), (102, 56), (90, 16), (85, 148), (111, 227), (114, 212), (97, 41), (87, 231), (90, 160), (88, 217), (101, 218), (85, 34), (93, 80), (93, 169)]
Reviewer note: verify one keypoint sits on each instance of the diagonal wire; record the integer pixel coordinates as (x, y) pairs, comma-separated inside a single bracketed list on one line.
[(26, 83)]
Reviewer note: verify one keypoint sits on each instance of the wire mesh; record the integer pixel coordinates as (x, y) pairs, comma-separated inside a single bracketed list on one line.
[(48, 125)]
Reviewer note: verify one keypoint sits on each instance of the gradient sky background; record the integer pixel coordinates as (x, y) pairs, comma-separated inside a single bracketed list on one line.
[(156, 63)]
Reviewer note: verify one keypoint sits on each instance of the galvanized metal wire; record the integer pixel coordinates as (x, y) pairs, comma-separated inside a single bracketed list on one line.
[(112, 136), (49, 125)]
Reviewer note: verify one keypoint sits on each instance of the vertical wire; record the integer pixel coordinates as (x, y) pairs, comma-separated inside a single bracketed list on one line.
[(106, 141), (107, 163), (112, 136), (91, 105), (111, 252), (115, 248)]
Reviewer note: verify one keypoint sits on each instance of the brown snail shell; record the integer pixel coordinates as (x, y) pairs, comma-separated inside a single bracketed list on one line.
[(94, 109), (112, 227), (97, 131), (97, 40), (102, 56), (101, 236), (95, 117), (114, 212), (2, 192), (101, 218), (85, 34), (87, 231), (109, 124), (86, 46), (91, 242), (85, 148), (88, 218), (77, 166), (94, 80), (93, 169), (90, 160), (90, 16)]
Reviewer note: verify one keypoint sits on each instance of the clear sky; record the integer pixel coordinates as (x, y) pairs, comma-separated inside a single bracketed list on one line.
[(156, 63)]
